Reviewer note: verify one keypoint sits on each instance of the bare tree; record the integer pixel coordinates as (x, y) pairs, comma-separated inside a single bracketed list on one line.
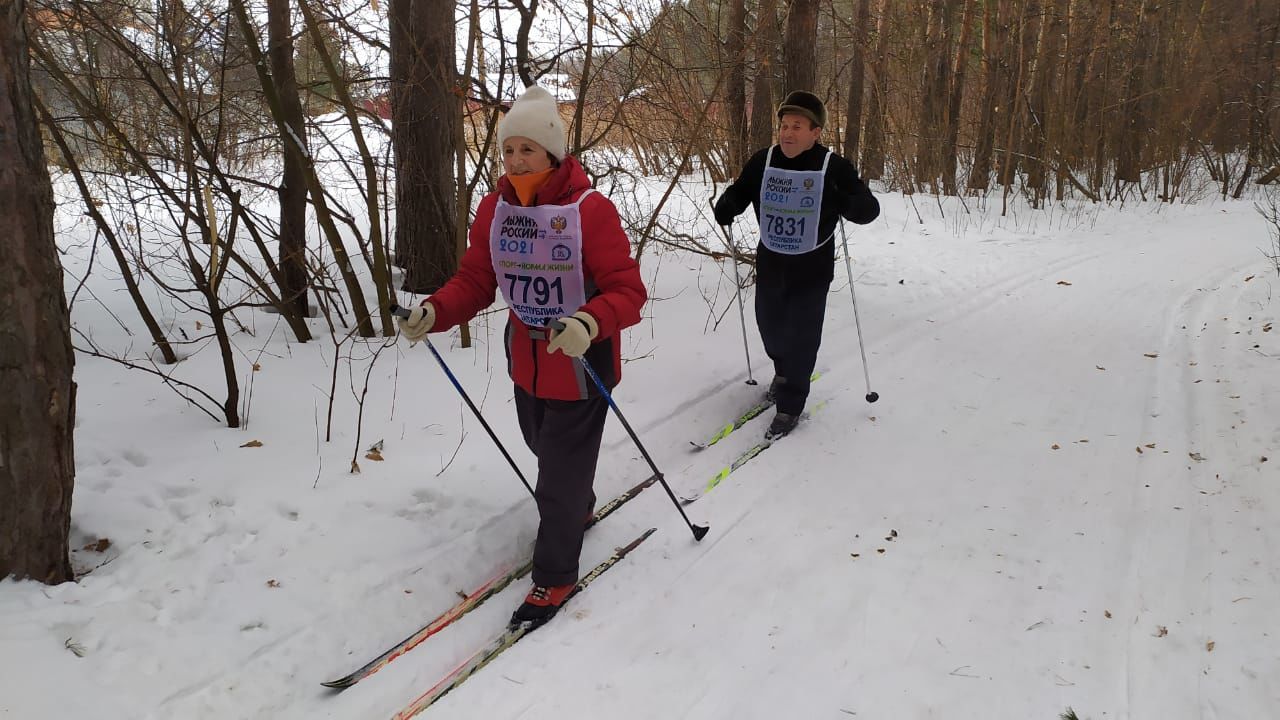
[(857, 79), (872, 165), (37, 407), (994, 34), (293, 186), (425, 112), (959, 70), (798, 50), (766, 43), (735, 47)]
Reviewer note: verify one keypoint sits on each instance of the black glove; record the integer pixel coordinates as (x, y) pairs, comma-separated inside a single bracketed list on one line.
[(723, 212)]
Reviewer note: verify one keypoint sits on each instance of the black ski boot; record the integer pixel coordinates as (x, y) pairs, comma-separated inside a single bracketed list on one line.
[(782, 424)]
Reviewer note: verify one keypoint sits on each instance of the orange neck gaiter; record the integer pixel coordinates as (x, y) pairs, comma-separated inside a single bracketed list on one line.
[(527, 185)]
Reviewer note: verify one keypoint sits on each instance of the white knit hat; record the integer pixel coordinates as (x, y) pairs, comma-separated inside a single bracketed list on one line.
[(534, 115)]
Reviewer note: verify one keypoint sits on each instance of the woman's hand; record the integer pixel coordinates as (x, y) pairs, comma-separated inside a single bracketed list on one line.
[(420, 321), (579, 330)]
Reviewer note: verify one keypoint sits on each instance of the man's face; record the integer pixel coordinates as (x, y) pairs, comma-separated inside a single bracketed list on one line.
[(796, 134)]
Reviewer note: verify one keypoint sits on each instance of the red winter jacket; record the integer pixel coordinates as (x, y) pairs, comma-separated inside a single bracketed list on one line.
[(608, 267)]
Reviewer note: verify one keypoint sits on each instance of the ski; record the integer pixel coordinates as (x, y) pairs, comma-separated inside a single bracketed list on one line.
[(747, 416), (488, 589), (509, 637), (742, 459)]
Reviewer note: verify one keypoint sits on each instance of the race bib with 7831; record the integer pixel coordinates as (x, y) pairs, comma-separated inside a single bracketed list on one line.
[(790, 207)]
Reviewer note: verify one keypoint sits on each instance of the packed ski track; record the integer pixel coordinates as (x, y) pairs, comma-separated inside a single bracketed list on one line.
[(1062, 499)]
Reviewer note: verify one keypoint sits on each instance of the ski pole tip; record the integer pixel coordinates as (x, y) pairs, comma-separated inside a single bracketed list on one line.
[(700, 531), (873, 396)]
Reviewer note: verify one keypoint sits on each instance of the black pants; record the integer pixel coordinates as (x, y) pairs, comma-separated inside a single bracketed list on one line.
[(790, 316), (565, 435)]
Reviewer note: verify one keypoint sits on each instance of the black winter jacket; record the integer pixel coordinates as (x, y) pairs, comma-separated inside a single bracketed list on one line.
[(844, 195)]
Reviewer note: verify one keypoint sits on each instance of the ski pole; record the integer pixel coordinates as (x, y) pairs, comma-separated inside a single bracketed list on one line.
[(699, 531), (872, 396), (404, 313), (742, 316), (737, 279)]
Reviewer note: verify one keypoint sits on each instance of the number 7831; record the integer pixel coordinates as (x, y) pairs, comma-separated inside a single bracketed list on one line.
[(779, 225)]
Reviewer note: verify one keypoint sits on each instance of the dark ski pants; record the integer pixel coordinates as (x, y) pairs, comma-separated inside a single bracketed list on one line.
[(565, 435), (790, 317)]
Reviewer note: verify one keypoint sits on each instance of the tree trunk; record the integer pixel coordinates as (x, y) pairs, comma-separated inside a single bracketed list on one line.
[(1020, 52), (1259, 97), (872, 165), (994, 37), (1133, 122), (857, 80), (933, 91), (735, 48), (293, 188), (425, 111), (766, 43), (37, 407), (958, 72), (1038, 100), (798, 51)]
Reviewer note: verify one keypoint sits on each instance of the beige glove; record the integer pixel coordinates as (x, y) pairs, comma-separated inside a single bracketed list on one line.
[(420, 321), (579, 330)]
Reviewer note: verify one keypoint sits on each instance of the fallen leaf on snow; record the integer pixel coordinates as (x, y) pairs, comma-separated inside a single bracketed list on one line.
[(1151, 355), (1063, 282), (1196, 456), (1250, 278), (1099, 367), (374, 455), (273, 583), (1138, 448), (256, 367), (880, 550), (1083, 440), (101, 545), (1210, 645), (253, 443), (1161, 631), (1054, 447), (1150, 446), (1106, 614)]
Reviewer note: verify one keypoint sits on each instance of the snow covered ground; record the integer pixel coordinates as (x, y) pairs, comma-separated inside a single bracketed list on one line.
[(1063, 499)]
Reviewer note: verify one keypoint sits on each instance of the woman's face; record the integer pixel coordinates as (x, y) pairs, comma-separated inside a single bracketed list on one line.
[(521, 156)]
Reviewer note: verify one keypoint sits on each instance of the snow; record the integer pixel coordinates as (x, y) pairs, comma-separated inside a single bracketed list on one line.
[(1062, 499)]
